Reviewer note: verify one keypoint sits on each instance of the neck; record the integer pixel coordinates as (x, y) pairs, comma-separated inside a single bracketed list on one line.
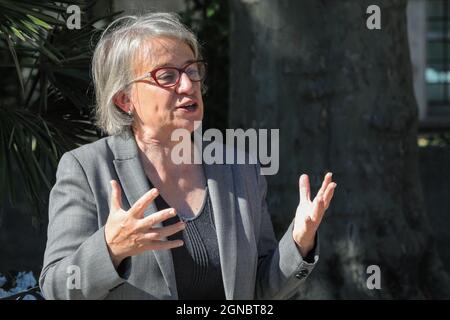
[(156, 153)]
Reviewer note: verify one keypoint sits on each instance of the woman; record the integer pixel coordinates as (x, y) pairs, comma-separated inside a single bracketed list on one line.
[(125, 222)]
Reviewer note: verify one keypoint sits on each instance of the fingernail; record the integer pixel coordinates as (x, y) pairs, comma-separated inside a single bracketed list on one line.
[(172, 212), (154, 192), (180, 243)]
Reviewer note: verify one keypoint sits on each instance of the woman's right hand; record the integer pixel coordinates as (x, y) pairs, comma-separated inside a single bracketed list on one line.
[(129, 233)]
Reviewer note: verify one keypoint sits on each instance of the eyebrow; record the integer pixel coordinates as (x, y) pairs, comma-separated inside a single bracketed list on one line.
[(171, 65)]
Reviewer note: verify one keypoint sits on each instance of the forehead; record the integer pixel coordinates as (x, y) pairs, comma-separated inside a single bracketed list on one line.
[(162, 51)]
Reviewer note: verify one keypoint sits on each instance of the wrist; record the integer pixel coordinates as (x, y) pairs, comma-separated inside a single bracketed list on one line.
[(304, 245), (115, 257)]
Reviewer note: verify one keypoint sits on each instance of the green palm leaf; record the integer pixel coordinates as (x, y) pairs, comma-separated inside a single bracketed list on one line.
[(50, 111)]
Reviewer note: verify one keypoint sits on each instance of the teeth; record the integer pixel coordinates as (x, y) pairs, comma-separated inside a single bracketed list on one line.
[(189, 106)]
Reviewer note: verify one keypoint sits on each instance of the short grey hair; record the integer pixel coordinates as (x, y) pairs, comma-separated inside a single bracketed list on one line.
[(114, 57)]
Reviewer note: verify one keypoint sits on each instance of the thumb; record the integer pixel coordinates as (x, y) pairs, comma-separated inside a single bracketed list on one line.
[(116, 196)]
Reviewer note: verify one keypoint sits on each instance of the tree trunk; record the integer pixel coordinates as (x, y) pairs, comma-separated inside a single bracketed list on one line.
[(343, 99)]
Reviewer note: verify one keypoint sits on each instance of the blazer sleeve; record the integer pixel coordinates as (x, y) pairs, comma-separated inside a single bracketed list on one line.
[(77, 264), (281, 268)]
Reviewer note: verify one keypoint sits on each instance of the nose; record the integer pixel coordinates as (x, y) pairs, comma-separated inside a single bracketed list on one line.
[(185, 85)]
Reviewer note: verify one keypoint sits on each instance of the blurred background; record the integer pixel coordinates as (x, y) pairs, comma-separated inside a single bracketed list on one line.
[(372, 106)]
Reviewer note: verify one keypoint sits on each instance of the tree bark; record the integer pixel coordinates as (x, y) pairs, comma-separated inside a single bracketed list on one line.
[(342, 97)]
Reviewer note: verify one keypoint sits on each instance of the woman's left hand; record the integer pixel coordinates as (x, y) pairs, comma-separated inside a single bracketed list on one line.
[(309, 213)]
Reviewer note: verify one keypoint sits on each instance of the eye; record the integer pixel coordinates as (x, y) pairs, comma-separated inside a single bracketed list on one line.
[(192, 72), (167, 75)]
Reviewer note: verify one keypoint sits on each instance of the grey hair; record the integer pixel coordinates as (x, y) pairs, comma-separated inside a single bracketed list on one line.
[(114, 56)]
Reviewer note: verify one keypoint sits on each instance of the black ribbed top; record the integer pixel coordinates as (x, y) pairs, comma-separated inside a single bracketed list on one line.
[(197, 262)]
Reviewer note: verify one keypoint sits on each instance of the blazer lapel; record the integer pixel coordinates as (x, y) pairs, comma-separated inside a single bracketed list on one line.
[(134, 184), (220, 184)]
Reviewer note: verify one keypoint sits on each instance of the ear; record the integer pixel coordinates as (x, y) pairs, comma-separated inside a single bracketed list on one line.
[(122, 101)]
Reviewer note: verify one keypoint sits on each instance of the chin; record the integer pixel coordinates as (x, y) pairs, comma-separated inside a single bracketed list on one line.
[(189, 125), (188, 121)]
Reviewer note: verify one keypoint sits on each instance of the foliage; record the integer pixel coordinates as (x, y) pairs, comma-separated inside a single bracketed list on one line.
[(46, 106)]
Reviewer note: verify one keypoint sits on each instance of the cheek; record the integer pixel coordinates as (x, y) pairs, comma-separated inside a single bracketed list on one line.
[(149, 100), (199, 93)]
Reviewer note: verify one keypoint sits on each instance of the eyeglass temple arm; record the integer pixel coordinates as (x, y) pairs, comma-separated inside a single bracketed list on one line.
[(148, 74)]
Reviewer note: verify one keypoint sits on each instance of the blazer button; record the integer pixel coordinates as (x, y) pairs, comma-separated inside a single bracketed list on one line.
[(302, 274)]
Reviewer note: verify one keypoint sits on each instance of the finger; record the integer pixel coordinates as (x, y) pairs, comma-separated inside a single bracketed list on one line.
[(116, 196), (139, 207), (328, 195), (318, 209), (326, 181), (157, 217), (164, 245), (304, 188), (164, 232)]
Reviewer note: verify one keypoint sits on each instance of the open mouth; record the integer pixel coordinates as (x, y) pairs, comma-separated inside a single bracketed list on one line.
[(189, 108)]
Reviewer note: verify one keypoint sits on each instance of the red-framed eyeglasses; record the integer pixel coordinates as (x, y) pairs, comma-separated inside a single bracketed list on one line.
[(167, 77)]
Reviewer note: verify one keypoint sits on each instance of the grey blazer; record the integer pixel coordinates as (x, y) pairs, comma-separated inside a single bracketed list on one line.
[(77, 264)]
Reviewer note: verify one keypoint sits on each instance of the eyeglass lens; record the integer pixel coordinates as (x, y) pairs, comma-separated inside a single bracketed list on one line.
[(170, 76)]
